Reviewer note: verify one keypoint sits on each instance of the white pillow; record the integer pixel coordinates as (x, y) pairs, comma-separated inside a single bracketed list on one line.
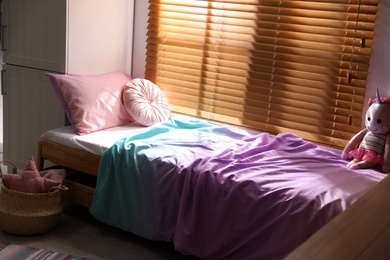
[(145, 102)]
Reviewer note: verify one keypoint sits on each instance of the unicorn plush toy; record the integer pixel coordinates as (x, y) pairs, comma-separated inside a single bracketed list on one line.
[(371, 146)]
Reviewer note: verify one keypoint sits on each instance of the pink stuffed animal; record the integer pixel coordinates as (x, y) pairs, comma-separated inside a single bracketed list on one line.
[(371, 146)]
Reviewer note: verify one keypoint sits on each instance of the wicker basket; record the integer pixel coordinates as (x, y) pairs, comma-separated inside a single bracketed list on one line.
[(29, 213)]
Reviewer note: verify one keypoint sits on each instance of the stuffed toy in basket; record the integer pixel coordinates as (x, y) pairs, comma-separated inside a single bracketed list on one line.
[(29, 202)]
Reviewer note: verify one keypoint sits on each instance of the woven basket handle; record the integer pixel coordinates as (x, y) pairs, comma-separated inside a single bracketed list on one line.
[(1, 170)]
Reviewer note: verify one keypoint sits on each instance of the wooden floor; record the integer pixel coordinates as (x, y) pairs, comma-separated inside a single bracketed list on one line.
[(78, 233)]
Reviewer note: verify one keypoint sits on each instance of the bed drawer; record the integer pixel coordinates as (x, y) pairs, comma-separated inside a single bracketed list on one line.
[(81, 188)]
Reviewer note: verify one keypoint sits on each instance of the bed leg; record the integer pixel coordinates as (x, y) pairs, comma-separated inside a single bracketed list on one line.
[(40, 160)]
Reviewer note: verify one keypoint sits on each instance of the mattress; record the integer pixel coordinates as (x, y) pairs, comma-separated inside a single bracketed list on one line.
[(96, 142)]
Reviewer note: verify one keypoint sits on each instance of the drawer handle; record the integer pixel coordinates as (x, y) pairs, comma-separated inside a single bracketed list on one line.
[(3, 30), (3, 93)]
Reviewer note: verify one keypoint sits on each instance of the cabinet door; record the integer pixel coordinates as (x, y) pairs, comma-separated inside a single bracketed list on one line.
[(30, 108), (34, 33)]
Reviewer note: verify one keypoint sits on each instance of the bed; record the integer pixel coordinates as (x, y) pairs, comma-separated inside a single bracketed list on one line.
[(80, 154), (216, 191)]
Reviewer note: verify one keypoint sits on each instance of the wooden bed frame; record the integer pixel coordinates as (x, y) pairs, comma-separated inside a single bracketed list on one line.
[(82, 168)]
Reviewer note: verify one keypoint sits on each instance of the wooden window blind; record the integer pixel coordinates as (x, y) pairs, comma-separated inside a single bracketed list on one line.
[(275, 66)]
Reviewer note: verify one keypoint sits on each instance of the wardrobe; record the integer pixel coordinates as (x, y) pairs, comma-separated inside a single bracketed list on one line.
[(60, 36)]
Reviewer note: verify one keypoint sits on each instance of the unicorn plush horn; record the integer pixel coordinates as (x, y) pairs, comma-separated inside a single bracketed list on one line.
[(378, 98)]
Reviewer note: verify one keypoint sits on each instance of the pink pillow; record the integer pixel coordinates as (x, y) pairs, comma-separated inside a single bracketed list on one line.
[(92, 102), (145, 102), (30, 181)]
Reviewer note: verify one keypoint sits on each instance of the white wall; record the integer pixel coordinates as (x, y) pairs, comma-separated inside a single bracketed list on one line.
[(139, 39), (379, 74)]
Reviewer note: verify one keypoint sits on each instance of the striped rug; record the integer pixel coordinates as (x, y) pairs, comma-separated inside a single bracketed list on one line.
[(9, 251)]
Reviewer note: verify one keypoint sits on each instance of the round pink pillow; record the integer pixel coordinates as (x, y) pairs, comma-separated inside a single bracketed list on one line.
[(145, 102)]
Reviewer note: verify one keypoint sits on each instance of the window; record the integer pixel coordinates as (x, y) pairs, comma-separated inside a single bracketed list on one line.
[(275, 66)]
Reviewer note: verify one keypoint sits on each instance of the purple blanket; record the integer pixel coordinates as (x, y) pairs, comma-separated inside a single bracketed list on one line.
[(220, 192)]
